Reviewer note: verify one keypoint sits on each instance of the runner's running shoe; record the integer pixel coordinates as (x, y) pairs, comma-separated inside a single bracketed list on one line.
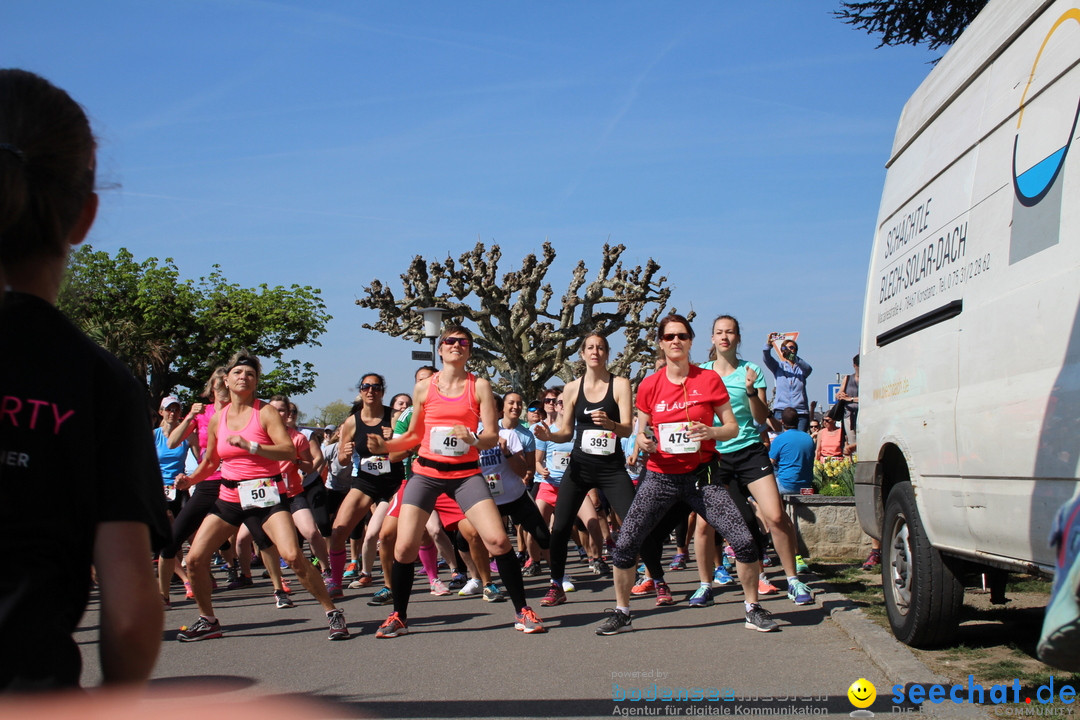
[(382, 597), (567, 584), (492, 594), (528, 622), (283, 600), (760, 619), (438, 587), (350, 571), (393, 627), (799, 593), (202, 629), (616, 622), (663, 594), (800, 564), (473, 587), (555, 596), (721, 577), (188, 592), (644, 586), (678, 562), (531, 569), (334, 589), (338, 629), (702, 597), (764, 587)]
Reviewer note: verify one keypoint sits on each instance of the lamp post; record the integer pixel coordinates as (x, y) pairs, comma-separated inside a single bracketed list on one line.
[(432, 325)]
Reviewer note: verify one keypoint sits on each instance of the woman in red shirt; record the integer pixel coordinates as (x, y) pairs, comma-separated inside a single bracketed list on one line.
[(676, 406)]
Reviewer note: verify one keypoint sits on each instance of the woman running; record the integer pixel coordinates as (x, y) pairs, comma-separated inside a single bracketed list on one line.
[(171, 461), (249, 440), (676, 406), (599, 414), (375, 478), (449, 407), (745, 461)]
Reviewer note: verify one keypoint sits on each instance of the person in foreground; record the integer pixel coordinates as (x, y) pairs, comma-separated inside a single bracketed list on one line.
[(79, 476)]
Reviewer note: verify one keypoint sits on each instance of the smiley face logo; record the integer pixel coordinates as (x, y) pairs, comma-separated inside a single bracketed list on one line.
[(862, 693)]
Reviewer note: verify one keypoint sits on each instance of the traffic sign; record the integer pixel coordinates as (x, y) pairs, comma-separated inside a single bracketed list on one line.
[(834, 390), (426, 355)]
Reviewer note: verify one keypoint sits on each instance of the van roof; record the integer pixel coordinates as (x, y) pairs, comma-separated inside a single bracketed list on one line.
[(995, 27)]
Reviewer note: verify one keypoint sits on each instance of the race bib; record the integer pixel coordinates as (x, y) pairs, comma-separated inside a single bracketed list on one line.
[(598, 442), (494, 481), (674, 439), (560, 460), (170, 493), (444, 442), (258, 493), (376, 464)]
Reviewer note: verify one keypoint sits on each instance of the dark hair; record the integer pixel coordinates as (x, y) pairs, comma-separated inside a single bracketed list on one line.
[(382, 380), (668, 319), (281, 399), (394, 399), (607, 345), (244, 357), (855, 360), (789, 416), (738, 331), (514, 392), (430, 368), (498, 404), (46, 167)]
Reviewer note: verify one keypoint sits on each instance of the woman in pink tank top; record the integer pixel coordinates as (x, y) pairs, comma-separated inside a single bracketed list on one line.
[(249, 440)]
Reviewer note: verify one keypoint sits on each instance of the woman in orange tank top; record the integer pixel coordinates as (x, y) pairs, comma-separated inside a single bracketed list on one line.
[(449, 409)]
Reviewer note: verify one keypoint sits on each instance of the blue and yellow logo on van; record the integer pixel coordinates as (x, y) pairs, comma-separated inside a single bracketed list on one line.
[(1045, 126)]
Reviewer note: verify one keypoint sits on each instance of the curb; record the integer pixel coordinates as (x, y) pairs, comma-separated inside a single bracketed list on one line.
[(898, 663)]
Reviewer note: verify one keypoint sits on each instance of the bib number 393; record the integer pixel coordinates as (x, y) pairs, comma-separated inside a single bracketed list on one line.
[(598, 442), (258, 493), (675, 439), (444, 442)]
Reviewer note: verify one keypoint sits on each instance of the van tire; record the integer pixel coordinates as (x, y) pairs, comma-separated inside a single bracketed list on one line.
[(923, 596)]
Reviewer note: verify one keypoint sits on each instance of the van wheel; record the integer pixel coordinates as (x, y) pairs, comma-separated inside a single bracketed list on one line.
[(922, 594)]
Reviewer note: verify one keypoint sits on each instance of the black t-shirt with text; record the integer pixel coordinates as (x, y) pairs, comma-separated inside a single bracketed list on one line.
[(76, 450)]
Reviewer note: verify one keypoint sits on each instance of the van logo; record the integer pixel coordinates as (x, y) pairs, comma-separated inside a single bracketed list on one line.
[(1040, 148)]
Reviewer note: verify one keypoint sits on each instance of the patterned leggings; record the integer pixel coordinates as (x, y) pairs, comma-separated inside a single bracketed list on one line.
[(657, 492)]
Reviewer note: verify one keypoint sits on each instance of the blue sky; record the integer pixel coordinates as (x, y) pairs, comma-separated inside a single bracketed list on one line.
[(740, 145)]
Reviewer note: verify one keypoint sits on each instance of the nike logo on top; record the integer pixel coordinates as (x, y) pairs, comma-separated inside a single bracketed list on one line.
[(592, 410)]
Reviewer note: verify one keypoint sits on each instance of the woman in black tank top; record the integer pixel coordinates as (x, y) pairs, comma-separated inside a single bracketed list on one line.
[(601, 414)]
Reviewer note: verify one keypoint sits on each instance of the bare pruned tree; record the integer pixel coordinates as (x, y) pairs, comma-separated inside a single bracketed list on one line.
[(522, 339)]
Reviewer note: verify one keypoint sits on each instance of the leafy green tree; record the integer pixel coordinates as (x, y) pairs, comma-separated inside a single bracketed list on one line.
[(523, 340), (332, 413), (173, 332), (912, 22)]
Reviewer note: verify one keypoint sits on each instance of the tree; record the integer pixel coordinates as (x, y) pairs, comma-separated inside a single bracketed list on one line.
[(912, 22), (172, 333), (333, 413), (522, 341)]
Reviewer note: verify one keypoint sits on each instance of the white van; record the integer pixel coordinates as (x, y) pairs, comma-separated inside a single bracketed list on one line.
[(969, 424)]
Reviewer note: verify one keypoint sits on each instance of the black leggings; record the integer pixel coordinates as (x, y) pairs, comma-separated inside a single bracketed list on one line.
[(658, 492), (195, 511), (524, 512), (578, 479)]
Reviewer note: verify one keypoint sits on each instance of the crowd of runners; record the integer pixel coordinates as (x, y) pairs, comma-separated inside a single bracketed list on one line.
[(456, 476), (450, 473)]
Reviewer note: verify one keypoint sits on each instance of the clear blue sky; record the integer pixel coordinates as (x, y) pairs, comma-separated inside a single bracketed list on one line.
[(741, 145)]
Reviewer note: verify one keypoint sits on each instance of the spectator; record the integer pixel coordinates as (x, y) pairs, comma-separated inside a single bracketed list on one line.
[(790, 373)]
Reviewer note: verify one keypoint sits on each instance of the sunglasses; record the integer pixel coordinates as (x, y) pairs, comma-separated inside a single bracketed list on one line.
[(549, 401), (671, 336), (371, 386), (463, 342)]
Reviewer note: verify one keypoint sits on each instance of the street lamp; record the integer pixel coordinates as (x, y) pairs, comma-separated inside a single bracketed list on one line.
[(432, 325)]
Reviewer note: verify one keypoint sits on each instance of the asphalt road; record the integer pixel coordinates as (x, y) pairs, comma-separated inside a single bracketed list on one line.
[(463, 658)]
